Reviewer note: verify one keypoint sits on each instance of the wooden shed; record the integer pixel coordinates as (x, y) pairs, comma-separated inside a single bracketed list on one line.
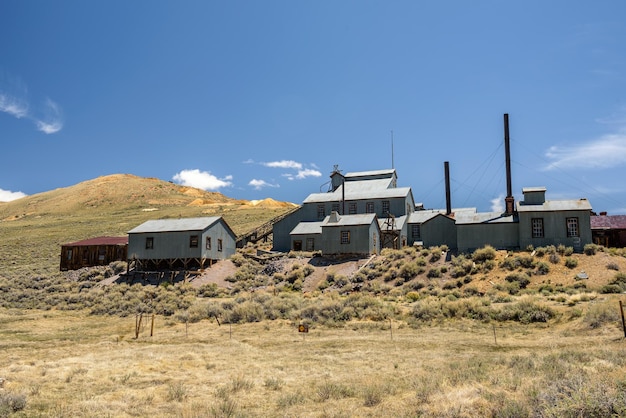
[(91, 252), (609, 230)]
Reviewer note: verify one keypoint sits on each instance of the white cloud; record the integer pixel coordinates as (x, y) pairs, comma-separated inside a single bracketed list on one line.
[(8, 196), (52, 120), (307, 172), (13, 106), (259, 184), (284, 164), (497, 204), (201, 180), (604, 152)]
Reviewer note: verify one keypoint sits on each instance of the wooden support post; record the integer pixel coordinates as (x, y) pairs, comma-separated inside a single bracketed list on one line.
[(152, 326), (138, 319), (621, 309), (495, 339)]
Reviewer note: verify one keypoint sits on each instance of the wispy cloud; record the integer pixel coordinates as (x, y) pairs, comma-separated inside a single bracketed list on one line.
[(604, 152), (284, 164), (307, 172), (202, 180), (497, 204), (8, 196), (13, 106), (260, 184), (48, 119)]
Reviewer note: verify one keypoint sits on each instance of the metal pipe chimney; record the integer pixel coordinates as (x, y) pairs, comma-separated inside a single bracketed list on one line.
[(446, 166), (509, 200)]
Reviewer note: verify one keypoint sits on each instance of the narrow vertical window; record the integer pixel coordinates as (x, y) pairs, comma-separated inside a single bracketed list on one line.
[(345, 237), (537, 225), (219, 245), (310, 244), (572, 227), (416, 231), (385, 207), (208, 243), (352, 208), (193, 241), (149, 243), (321, 212), (369, 207)]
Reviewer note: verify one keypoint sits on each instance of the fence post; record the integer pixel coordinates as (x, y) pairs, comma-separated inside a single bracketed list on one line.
[(621, 310)]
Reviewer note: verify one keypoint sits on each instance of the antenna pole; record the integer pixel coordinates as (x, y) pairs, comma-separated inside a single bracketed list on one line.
[(392, 166)]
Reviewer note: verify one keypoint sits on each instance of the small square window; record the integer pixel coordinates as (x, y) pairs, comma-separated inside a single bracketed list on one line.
[(193, 241), (335, 207), (352, 208), (149, 243), (369, 207), (345, 237), (310, 244)]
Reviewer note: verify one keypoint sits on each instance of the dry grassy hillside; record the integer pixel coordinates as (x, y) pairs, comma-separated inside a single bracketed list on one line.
[(34, 227)]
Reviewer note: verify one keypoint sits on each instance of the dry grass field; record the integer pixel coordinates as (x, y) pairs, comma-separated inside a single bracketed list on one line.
[(411, 332), (71, 364)]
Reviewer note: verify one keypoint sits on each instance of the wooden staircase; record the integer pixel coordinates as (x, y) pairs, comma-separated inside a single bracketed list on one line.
[(263, 231)]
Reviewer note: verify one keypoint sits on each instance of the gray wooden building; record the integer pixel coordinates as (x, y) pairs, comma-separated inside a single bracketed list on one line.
[(187, 243), (430, 228)]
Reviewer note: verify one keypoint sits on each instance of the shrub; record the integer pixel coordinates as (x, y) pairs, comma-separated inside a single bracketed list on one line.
[(613, 266), (520, 278), (571, 262), (433, 273), (554, 258), (543, 268), (484, 254), (590, 249), (526, 311), (11, 402), (601, 314)]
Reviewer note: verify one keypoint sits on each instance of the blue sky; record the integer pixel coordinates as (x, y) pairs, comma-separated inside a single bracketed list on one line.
[(260, 99)]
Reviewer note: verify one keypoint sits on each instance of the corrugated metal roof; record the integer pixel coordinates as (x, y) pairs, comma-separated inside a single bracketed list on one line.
[(306, 228), (467, 218), (170, 225), (398, 222), (346, 220), (99, 241), (360, 193), (421, 216), (555, 205), (608, 222), (387, 172)]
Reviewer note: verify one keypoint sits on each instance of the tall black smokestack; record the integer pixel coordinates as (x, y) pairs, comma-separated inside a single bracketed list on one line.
[(446, 166), (509, 200)]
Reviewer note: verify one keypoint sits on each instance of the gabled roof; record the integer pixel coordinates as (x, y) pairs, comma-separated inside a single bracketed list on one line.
[(608, 222), (422, 216), (348, 220), (307, 228), (99, 241), (377, 173), (555, 205), (359, 193), (182, 224)]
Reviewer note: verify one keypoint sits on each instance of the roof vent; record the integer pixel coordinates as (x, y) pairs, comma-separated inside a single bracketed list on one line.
[(334, 217)]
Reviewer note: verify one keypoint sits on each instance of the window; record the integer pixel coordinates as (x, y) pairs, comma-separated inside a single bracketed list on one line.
[(352, 208), (335, 207), (572, 227), (321, 212), (193, 241), (69, 254), (385, 207), (149, 243), (208, 243), (537, 225), (345, 237), (310, 244), (416, 231), (297, 245), (219, 245), (369, 207)]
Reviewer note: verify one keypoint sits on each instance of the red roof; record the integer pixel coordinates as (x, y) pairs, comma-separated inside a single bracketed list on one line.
[(608, 222), (99, 241)]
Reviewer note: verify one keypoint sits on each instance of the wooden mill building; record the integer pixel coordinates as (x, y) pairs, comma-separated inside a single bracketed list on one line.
[(91, 252)]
